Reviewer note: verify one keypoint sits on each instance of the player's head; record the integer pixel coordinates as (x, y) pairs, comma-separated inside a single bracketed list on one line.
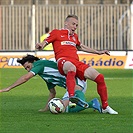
[(27, 61), (71, 23), (47, 30)]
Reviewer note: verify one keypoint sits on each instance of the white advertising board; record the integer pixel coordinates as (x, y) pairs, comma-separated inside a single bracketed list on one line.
[(129, 61)]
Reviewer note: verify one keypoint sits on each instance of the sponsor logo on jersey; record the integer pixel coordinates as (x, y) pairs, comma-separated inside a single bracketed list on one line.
[(68, 43)]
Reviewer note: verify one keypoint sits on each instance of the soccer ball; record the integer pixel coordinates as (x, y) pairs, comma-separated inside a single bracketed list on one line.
[(56, 106)]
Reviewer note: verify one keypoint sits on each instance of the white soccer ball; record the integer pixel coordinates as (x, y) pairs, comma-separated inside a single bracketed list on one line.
[(56, 106)]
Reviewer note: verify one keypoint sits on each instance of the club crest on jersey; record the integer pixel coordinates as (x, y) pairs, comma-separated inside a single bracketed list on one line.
[(73, 38), (68, 43)]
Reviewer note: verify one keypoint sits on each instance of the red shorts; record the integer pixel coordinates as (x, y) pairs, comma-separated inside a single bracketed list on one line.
[(80, 67)]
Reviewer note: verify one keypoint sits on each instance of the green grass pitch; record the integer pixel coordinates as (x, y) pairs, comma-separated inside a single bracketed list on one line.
[(19, 107)]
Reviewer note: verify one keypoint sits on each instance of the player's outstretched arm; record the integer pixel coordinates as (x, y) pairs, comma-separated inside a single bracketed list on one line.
[(20, 81), (90, 50)]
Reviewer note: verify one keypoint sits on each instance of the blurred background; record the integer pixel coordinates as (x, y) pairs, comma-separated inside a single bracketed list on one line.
[(103, 24)]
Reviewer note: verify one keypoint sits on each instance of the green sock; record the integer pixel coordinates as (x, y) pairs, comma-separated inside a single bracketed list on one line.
[(90, 104), (80, 95), (75, 109)]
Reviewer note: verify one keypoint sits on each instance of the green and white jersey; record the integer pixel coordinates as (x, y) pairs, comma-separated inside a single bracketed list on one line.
[(48, 71)]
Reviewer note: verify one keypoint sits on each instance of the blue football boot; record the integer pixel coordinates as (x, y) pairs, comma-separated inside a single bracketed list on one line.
[(96, 105)]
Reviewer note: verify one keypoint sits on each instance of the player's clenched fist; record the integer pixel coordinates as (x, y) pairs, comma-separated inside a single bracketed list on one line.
[(40, 46)]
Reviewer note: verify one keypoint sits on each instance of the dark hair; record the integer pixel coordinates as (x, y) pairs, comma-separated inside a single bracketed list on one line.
[(47, 29), (28, 58), (71, 16)]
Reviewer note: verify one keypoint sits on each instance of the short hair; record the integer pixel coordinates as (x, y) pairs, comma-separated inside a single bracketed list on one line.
[(47, 29), (71, 16), (28, 58)]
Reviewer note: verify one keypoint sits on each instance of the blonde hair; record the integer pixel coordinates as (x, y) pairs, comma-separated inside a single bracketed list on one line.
[(71, 16)]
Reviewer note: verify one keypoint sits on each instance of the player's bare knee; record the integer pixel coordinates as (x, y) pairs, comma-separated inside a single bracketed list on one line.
[(91, 73), (68, 66)]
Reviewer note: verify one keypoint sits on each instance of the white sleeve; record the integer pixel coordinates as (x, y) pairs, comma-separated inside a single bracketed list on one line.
[(82, 84), (33, 72), (66, 96)]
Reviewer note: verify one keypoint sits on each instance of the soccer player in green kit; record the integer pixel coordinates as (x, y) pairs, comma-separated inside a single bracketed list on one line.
[(48, 71)]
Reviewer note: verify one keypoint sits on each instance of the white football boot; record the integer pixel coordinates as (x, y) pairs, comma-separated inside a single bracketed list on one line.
[(109, 110)]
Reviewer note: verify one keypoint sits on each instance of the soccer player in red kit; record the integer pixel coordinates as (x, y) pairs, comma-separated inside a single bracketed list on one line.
[(65, 44)]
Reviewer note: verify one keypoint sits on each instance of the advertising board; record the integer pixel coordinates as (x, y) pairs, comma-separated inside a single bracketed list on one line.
[(116, 60)]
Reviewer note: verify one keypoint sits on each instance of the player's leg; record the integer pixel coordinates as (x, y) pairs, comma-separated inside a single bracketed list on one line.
[(75, 108), (92, 104), (75, 100), (69, 70), (79, 102), (91, 73), (94, 75)]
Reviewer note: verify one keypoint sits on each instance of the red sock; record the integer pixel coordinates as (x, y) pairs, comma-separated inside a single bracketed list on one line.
[(70, 82), (102, 90)]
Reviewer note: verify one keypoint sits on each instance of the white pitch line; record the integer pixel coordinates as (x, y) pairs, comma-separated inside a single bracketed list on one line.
[(117, 78)]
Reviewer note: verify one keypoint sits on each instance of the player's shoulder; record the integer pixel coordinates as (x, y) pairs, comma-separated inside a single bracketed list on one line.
[(47, 62), (44, 63), (60, 31), (38, 62), (55, 30)]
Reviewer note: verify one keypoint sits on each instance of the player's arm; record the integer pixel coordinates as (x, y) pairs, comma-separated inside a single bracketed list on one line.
[(50, 39), (52, 94), (18, 82), (90, 50), (41, 45)]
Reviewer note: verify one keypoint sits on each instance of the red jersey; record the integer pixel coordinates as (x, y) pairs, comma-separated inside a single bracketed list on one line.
[(64, 45)]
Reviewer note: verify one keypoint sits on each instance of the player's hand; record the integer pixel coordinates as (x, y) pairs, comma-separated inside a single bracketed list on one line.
[(39, 46), (43, 110), (104, 52), (5, 90)]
